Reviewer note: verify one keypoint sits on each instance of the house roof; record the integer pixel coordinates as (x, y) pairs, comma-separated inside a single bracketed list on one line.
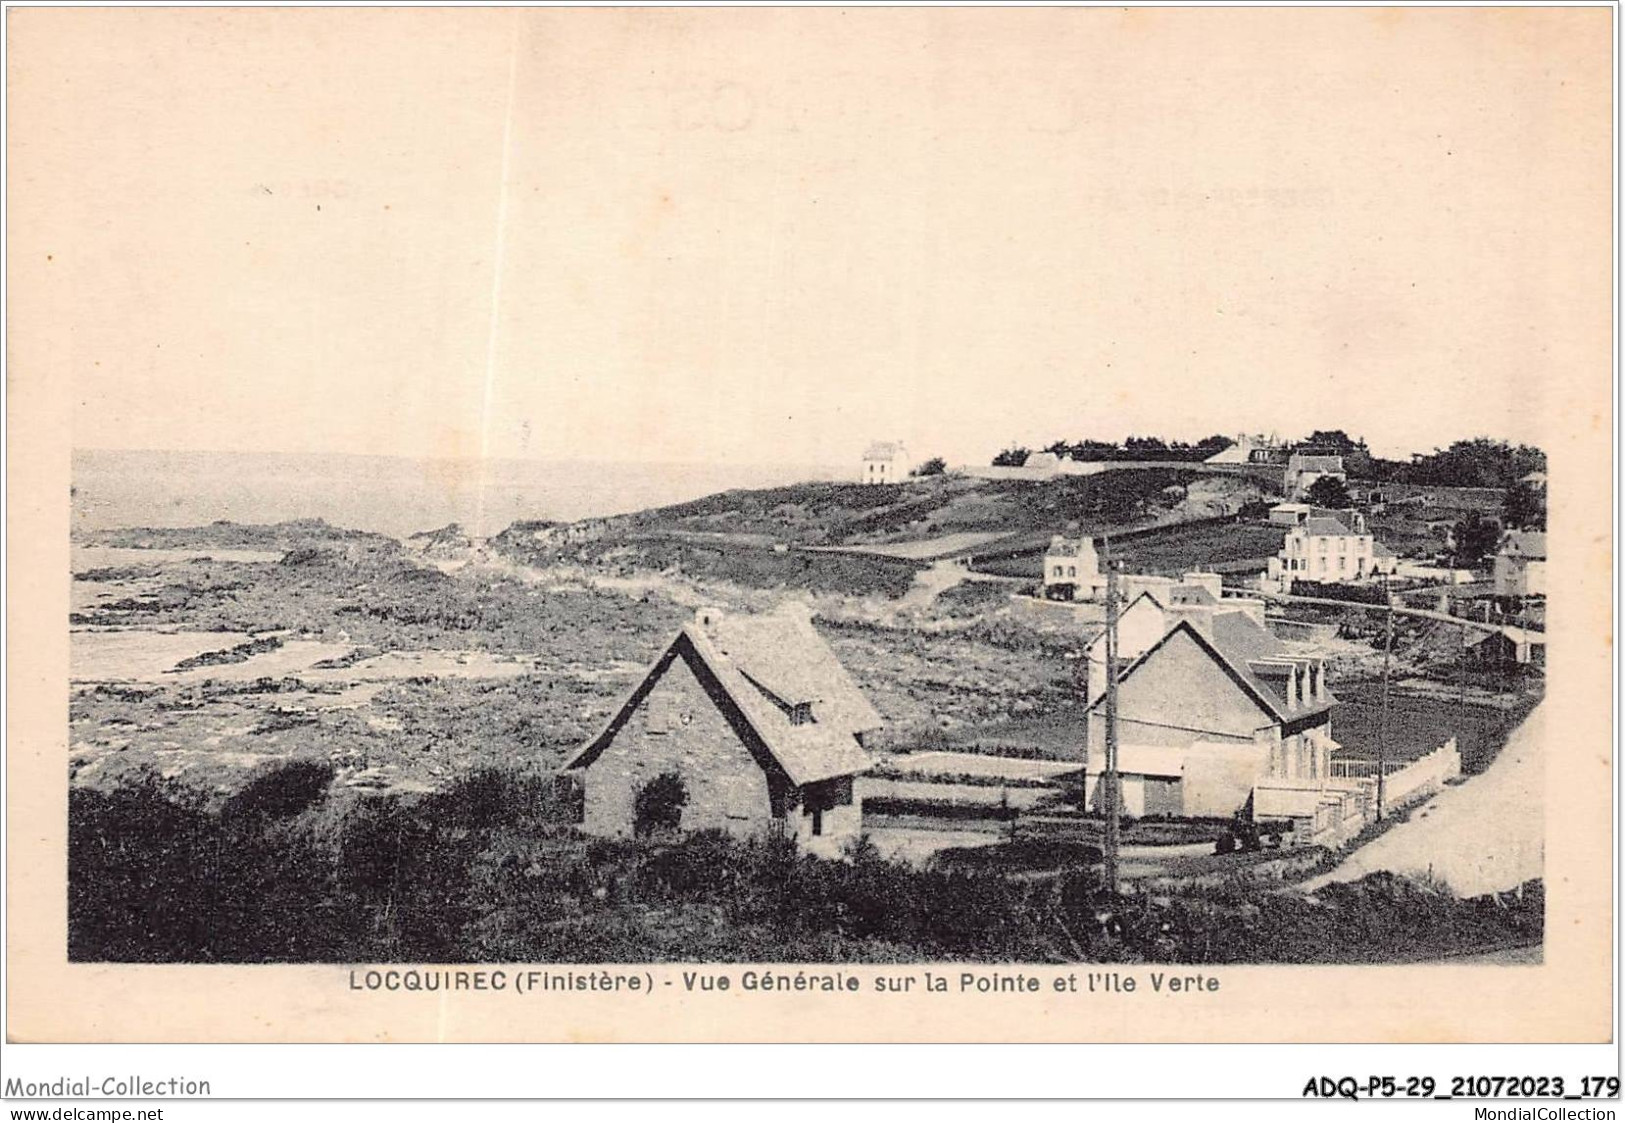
[(1062, 547), (784, 655), (755, 669), (1240, 645), (1523, 635), (883, 450), (1524, 544), (1324, 527), (1191, 594), (1310, 462)]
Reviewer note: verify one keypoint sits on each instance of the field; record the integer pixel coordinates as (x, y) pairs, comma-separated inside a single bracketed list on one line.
[(1200, 548), (853, 540), (1417, 726), (1173, 552)]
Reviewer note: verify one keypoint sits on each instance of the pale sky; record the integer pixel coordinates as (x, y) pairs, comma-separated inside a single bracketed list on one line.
[(773, 235)]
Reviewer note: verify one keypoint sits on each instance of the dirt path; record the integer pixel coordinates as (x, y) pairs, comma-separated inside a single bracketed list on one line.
[(1485, 836), (931, 581)]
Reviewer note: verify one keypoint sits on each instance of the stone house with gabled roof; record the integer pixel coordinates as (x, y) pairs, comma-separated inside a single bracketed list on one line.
[(757, 721)]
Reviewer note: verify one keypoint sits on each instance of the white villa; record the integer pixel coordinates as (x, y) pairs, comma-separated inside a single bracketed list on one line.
[(1323, 548), (1072, 570), (886, 462), (1520, 565)]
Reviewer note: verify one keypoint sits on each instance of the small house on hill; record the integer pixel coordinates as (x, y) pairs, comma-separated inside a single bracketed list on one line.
[(746, 724), (886, 462), (1072, 569), (1520, 565), (1303, 469)]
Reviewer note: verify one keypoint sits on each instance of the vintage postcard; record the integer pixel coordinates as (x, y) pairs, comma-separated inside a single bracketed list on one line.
[(810, 524)]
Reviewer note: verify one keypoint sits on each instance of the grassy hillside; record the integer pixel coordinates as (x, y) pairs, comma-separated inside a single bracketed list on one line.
[(827, 514), (807, 536)]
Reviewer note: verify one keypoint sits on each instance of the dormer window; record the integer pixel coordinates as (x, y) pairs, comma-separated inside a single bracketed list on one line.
[(801, 713)]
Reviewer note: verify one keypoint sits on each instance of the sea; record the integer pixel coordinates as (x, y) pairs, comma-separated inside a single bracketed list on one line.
[(390, 495)]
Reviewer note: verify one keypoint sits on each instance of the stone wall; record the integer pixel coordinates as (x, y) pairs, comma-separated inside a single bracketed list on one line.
[(677, 728)]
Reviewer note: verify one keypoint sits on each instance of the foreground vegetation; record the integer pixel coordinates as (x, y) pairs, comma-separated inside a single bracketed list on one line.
[(288, 870)]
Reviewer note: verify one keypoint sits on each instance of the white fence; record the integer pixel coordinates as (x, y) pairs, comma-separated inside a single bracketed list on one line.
[(1422, 776)]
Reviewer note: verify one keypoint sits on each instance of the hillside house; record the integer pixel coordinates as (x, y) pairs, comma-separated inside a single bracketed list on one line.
[(1324, 549), (1520, 565), (1502, 648), (886, 462), (1250, 448), (1303, 469), (1072, 570), (1210, 713), (751, 720)]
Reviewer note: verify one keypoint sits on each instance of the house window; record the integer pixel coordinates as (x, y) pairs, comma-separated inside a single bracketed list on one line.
[(1071, 571), (1056, 572), (818, 820), (801, 713), (658, 714)]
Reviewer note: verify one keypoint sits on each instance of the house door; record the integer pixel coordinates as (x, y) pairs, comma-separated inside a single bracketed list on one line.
[(1164, 797)]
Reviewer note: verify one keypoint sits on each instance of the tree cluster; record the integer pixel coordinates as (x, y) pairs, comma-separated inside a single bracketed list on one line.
[(1479, 462)]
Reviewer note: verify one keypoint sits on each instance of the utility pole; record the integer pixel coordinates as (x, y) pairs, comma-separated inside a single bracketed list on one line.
[(1461, 688), (1109, 774), (1382, 739)]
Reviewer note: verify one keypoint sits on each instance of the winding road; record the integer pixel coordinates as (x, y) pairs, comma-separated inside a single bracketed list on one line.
[(1485, 835)]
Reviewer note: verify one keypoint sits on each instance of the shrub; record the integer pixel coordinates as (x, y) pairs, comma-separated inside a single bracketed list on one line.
[(286, 788), (659, 803)]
